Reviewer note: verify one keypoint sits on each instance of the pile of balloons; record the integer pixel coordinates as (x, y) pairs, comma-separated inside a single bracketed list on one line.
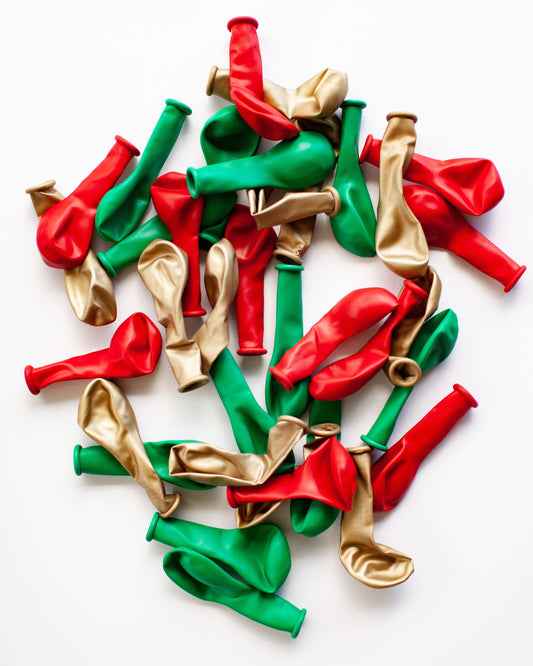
[(244, 567)]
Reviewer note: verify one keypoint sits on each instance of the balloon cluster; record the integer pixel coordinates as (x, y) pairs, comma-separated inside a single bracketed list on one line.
[(244, 567)]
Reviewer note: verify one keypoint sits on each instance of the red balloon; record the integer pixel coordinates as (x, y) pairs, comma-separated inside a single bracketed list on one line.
[(254, 250), (394, 472), (354, 313), (445, 227), (471, 184), (182, 215), (134, 350), (246, 83), (328, 475), (348, 375), (64, 232)]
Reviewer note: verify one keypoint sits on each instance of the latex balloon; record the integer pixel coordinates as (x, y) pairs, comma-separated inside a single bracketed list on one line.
[(105, 414), (471, 184), (348, 375), (207, 464), (394, 472), (354, 224), (99, 461), (246, 82), (134, 351), (433, 344), (294, 239), (65, 230), (182, 215), (254, 250), (122, 208), (44, 196), (90, 292), (369, 562), (293, 206), (260, 555), (328, 475), (317, 97), (444, 227), (353, 314), (290, 165), (400, 241)]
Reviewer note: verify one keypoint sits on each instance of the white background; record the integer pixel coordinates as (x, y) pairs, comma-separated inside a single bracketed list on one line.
[(79, 583)]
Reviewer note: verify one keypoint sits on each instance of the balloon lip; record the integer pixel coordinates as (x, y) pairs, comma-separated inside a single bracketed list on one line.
[(293, 268), (193, 383), (28, 371), (402, 114), (191, 177), (366, 148), (282, 379), (251, 351), (353, 102), (41, 186), (179, 105), (373, 443), (76, 460), (230, 497), (336, 200), (466, 394), (110, 269), (299, 622), (243, 19), (151, 528), (211, 80), (194, 312), (404, 371), (514, 279), (128, 145)]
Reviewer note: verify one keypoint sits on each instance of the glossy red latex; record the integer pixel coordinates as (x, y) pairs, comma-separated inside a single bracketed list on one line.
[(182, 215), (246, 83), (445, 227), (348, 375), (471, 184), (328, 475), (254, 250), (394, 472), (64, 232), (354, 313), (134, 350)]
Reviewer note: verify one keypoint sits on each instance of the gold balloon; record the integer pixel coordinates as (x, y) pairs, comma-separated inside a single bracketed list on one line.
[(400, 240), (317, 97), (105, 414), (254, 513), (367, 561), (44, 196), (294, 239), (292, 206), (208, 464), (90, 292)]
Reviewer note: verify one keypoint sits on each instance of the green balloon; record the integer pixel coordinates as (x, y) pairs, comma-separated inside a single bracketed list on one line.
[(129, 249), (259, 554), (289, 330), (354, 226), (291, 165), (250, 423), (311, 517), (432, 345), (122, 208), (98, 460)]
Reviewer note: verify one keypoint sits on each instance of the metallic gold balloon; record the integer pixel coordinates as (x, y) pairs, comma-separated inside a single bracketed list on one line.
[(294, 239), (105, 414), (400, 240), (89, 289), (318, 97), (208, 464), (44, 196), (292, 206), (367, 561), (90, 292), (254, 513)]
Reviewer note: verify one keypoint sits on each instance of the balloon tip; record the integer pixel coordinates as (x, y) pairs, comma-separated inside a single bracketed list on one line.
[(373, 443), (299, 622), (515, 279), (251, 351), (77, 460), (243, 19), (28, 372), (466, 394), (128, 145), (179, 105), (151, 529)]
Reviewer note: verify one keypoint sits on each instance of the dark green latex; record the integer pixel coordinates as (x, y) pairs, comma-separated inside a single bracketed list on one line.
[(432, 345), (122, 208), (129, 249), (291, 165), (311, 517), (354, 226), (206, 579), (224, 137), (260, 554), (250, 423), (289, 330), (98, 460)]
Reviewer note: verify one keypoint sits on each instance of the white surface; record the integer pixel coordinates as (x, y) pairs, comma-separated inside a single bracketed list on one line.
[(79, 583)]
